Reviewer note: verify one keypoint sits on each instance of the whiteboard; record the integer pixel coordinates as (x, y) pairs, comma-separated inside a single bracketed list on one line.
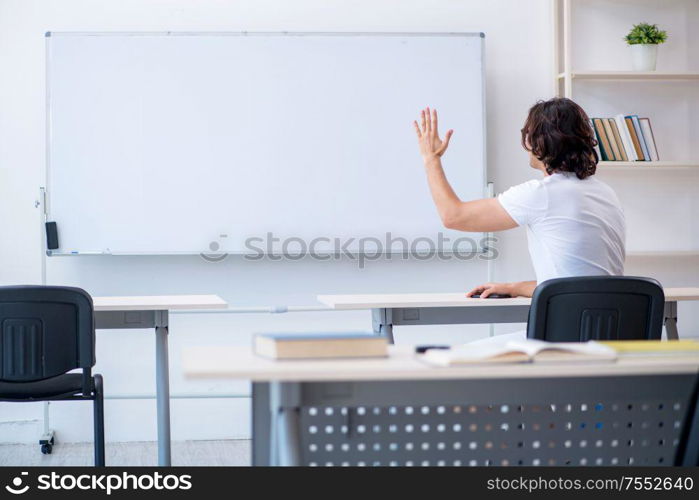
[(181, 142)]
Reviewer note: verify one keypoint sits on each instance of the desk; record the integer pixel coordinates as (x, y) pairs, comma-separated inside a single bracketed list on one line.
[(389, 310), (283, 392), (152, 312)]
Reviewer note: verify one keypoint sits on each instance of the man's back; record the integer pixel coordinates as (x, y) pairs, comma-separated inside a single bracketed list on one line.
[(574, 227)]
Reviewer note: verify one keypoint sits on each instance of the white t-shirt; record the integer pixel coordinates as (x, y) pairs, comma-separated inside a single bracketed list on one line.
[(574, 227)]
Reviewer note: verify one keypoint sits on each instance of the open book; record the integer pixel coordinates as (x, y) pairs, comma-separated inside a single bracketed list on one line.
[(520, 351)]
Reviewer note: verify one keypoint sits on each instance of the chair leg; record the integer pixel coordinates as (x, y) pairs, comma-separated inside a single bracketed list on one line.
[(98, 405)]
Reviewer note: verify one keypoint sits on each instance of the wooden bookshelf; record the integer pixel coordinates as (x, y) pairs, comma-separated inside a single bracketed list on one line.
[(646, 165), (631, 75), (661, 253), (573, 75)]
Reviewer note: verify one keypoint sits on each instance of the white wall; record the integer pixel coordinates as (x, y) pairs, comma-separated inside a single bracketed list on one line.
[(519, 70)]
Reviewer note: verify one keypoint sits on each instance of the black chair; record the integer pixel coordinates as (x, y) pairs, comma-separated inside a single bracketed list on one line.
[(597, 308), (47, 331)]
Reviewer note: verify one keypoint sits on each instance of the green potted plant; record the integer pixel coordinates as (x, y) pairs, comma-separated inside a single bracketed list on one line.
[(644, 39)]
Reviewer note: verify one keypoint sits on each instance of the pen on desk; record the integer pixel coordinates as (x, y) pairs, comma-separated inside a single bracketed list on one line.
[(421, 349)]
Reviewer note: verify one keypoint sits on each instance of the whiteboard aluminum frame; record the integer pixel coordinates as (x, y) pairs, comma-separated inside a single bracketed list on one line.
[(47, 187)]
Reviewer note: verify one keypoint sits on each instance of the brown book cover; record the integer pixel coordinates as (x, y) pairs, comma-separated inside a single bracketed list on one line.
[(604, 143), (617, 138), (610, 135), (634, 139)]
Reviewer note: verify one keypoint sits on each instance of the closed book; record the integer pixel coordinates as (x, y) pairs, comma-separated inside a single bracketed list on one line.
[(641, 139), (597, 148), (653, 347), (650, 138), (619, 141), (605, 148), (634, 138), (625, 137), (320, 345), (612, 141)]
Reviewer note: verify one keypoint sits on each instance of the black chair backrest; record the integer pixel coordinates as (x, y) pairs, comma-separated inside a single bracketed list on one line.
[(597, 308), (45, 331)]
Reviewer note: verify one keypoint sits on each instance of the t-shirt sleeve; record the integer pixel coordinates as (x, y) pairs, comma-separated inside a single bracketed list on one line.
[(526, 202)]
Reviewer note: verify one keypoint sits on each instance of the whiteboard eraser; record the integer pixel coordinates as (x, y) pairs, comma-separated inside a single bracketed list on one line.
[(51, 236)]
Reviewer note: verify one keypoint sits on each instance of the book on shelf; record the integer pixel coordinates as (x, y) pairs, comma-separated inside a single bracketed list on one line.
[(616, 155), (650, 138), (520, 351), (625, 138), (641, 139), (598, 150), (604, 146), (617, 140), (320, 346), (634, 138)]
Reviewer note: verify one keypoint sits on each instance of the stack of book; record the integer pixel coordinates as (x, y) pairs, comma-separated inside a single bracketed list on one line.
[(625, 138), (320, 345)]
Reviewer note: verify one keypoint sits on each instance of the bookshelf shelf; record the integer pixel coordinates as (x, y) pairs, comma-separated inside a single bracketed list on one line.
[(646, 165), (662, 253), (632, 75)]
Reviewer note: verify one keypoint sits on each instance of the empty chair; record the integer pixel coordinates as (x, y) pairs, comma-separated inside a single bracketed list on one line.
[(46, 332), (597, 308)]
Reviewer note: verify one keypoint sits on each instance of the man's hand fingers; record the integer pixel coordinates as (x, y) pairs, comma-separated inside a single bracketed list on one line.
[(422, 121), (434, 123), (445, 144), (417, 129), (428, 121)]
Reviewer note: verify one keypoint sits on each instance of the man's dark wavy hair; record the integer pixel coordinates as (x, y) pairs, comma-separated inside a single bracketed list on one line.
[(559, 133)]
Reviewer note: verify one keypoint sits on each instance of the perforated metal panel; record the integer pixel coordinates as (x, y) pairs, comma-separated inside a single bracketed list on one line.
[(593, 432), (620, 420)]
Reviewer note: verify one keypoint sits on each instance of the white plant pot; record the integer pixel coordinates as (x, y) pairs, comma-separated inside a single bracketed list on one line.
[(644, 56)]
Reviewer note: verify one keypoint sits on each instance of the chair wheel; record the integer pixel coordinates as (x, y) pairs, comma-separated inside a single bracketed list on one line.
[(46, 449)]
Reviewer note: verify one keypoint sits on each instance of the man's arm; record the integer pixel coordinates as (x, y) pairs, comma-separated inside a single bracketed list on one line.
[(519, 289), (484, 215), (476, 216)]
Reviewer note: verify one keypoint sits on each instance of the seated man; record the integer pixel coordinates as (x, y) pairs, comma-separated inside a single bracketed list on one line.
[(575, 224)]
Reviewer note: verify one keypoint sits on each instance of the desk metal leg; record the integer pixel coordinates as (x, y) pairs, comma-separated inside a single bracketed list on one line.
[(285, 404), (261, 425), (162, 383), (382, 323), (148, 319), (671, 321), (387, 331)]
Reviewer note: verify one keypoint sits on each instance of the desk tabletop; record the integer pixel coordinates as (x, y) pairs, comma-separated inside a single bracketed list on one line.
[(158, 303), (456, 299), (236, 362), (678, 294)]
